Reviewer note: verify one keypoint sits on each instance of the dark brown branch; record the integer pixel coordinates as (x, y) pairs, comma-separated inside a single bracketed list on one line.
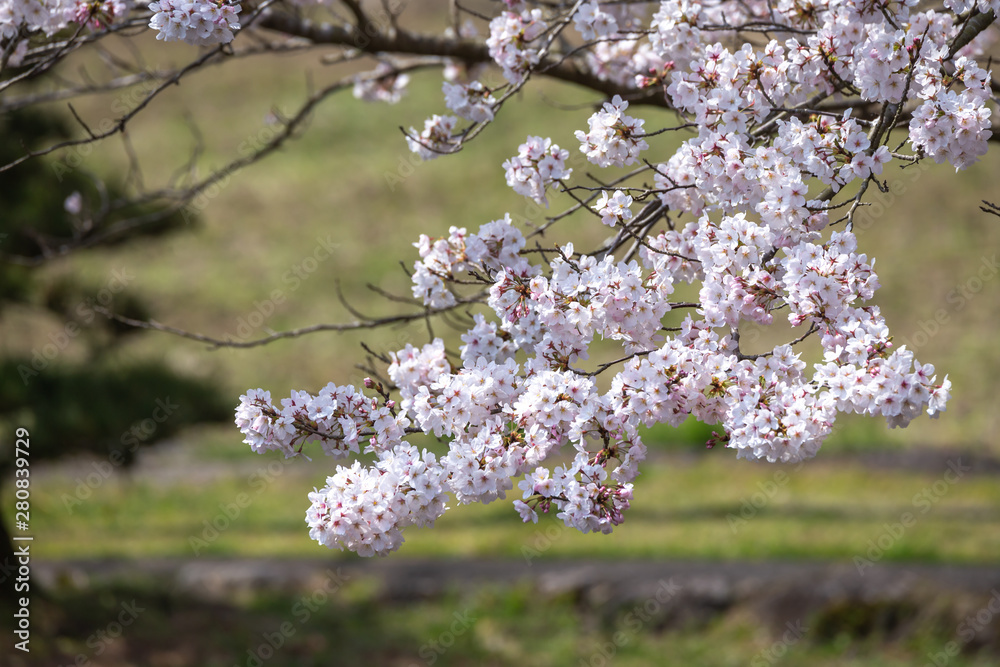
[(294, 333), (603, 367), (372, 39), (977, 23)]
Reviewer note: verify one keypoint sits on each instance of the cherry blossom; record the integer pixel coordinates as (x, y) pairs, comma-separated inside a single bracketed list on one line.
[(472, 102), (567, 355), (382, 85), (202, 23), (614, 138), (538, 164), (435, 139), (614, 208), (514, 44)]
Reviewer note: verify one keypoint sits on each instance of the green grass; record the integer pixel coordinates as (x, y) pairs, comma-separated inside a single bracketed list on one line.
[(705, 507)]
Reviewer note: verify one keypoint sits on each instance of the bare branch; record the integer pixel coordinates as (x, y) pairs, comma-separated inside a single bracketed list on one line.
[(120, 123), (356, 325), (401, 41)]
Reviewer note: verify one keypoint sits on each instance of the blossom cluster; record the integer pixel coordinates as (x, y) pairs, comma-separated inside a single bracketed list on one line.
[(199, 22), (614, 138), (436, 139), (744, 209), (505, 419), (364, 509), (472, 101), (538, 164), (963, 6), (614, 208), (29, 15), (513, 42), (495, 247), (594, 23), (952, 127), (337, 417), (384, 84)]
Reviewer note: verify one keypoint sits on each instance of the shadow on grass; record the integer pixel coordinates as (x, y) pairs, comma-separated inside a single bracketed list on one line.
[(137, 624)]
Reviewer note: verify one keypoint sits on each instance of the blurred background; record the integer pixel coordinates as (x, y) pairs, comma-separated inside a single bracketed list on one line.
[(161, 539)]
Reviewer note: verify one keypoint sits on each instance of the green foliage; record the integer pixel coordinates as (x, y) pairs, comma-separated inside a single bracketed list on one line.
[(91, 408), (78, 402), (32, 195), (692, 435)]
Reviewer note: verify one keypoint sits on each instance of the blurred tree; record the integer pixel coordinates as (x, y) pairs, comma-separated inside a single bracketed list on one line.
[(92, 404)]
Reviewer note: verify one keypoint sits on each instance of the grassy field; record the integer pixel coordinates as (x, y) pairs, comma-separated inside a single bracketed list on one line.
[(203, 502)]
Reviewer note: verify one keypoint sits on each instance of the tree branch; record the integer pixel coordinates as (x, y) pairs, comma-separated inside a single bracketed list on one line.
[(373, 323), (372, 39)]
